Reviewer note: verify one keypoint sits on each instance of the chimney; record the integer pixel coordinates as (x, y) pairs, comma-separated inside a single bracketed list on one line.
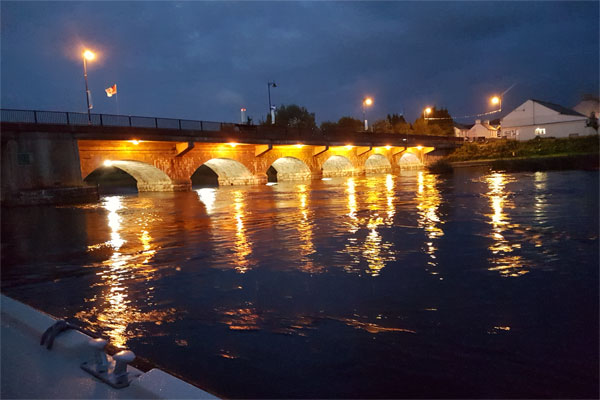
[(487, 121), (477, 121), (243, 115)]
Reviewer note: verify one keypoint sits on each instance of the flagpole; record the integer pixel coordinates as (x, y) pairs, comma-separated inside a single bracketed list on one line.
[(117, 101)]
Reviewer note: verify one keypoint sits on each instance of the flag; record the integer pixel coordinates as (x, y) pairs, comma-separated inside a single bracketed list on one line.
[(111, 90)]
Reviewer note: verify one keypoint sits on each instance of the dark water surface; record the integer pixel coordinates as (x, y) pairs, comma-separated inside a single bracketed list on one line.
[(476, 285)]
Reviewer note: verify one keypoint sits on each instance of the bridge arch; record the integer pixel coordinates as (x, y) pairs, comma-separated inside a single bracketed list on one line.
[(222, 171), (288, 169), (337, 166), (148, 178), (409, 161), (378, 164)]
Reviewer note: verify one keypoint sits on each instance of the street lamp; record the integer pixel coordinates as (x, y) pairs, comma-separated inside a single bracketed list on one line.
[(269, 85), (496, 100), (427, 111), (87, 56), (367, 102)]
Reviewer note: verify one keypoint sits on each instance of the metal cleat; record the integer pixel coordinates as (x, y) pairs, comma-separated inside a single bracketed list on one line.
[(100, 360), (111, 370), (122, 358)]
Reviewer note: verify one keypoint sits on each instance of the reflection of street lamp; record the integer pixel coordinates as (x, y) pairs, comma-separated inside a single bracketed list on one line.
[(497, 101), (271, 111), (367, 102), (427, 111), (87, 56)]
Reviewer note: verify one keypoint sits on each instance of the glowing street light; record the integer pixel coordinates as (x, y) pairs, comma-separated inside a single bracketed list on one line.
[(426, 112), (87, 55), (497, 101), (367, 102)]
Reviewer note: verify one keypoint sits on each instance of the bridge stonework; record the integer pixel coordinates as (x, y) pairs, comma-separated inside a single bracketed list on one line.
[(46, 162), (303, 162)]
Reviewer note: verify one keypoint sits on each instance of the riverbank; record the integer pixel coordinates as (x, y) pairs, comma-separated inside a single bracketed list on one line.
[(533, 155)]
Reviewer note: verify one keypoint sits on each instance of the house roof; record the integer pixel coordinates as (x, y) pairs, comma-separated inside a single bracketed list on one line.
[(558, 108), (463, 126), (489, 127)]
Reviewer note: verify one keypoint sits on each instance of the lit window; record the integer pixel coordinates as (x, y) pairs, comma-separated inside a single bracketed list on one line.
[(540, 131)]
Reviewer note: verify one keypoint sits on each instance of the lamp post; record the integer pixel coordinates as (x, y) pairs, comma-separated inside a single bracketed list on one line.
[(269, 85), (426, 112), (87, 55), (497, 100), (367, 102)]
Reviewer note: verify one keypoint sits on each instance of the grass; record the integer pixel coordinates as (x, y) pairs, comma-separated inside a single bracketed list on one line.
[(506, 149)]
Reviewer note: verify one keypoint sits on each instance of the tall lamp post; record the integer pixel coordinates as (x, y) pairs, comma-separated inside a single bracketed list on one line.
[(269, 85), (497, 101), (87, 56), (426, 113), (367, 102)]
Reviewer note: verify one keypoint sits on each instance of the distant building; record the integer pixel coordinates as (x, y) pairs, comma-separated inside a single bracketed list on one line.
[(589, 104), (460, 130), (482, 131), (536, 118)]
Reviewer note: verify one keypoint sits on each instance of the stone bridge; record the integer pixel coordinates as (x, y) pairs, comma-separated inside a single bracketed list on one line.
[(43, 156)]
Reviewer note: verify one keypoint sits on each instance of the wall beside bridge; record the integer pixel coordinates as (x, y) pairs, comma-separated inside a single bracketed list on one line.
[(42, 168)]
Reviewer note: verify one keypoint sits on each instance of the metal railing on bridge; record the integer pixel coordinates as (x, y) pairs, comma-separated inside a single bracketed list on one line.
[(210, 128), (81, 119)]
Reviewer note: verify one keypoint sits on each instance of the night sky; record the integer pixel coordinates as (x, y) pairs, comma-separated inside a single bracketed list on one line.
[(206, 60)]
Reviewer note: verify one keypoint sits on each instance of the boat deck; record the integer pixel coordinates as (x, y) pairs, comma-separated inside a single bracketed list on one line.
[(29, 370)]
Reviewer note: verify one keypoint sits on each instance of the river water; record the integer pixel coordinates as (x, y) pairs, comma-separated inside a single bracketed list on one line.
[(480, 284)]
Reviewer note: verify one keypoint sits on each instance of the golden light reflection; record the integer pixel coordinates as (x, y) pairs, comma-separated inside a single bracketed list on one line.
[(242, 245), (115, 311), (305, 229), (207, 196), (373, 249), (428, 200), (389, 196), (502, 260)]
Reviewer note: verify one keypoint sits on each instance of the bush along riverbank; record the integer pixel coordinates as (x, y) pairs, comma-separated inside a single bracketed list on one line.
[(533, 155)]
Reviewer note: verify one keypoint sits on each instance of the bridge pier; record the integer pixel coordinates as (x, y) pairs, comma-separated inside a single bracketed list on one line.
[(42, 168)]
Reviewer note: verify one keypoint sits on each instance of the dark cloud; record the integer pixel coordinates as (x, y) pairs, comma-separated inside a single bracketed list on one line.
[(205, 60)]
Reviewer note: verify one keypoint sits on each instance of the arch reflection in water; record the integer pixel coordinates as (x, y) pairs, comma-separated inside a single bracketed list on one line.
[(428, 202), (502, 259), (114, 310), (207, 196), (373, 250)]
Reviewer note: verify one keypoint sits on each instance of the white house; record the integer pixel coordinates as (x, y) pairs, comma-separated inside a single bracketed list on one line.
[(461, 130), (589, 104), (536, 118), (483, 131)]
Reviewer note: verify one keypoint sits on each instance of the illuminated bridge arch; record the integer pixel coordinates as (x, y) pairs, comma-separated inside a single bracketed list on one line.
[(147, 177), (288, 169), (337, 166), (377, 164), (409, 161), (222, 171)]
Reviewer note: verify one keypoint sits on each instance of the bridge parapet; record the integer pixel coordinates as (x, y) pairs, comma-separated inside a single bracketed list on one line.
[(122, 127)]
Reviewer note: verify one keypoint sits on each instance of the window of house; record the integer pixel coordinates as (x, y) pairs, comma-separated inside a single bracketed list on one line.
[(540, 131)]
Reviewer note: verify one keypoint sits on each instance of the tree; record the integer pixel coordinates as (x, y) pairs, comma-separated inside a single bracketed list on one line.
[(438, 123), (592, 121), (328, 127), (351, 124), (399, 124), (443, 120), (382, 126), (294, 116)]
